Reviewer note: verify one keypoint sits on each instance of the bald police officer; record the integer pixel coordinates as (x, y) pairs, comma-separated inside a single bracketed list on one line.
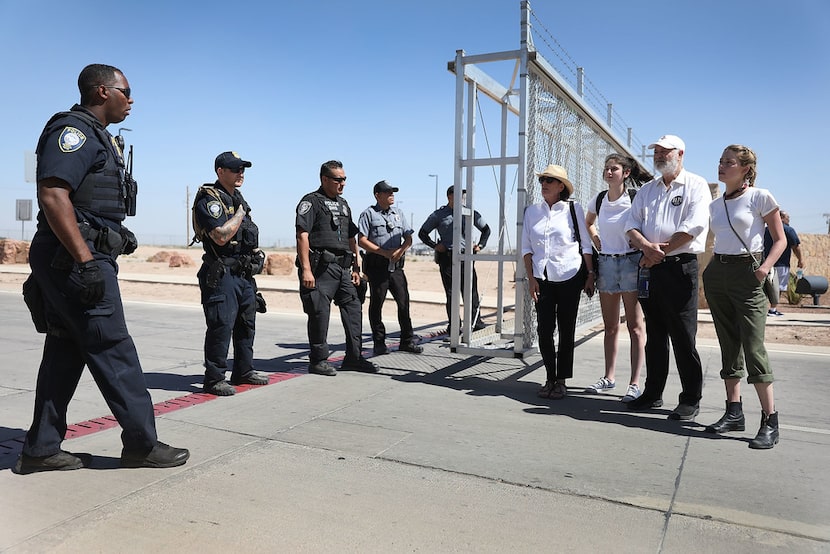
[(84, 194), (385, 236), (328, 270)]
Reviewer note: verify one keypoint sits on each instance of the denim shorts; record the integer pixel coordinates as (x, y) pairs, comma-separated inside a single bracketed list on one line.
[(618, 274)]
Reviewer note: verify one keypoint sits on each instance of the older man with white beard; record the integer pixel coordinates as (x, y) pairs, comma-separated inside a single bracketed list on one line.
[(668, 222)]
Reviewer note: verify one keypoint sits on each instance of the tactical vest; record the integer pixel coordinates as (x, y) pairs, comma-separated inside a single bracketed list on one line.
[(101, 192), (246, 239), (330, 232)]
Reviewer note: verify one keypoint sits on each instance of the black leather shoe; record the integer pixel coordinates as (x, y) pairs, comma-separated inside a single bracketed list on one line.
[(479, 325), (644, 403), (380, 349), (251, 378), (684, 412), (62, 461), (162, 455), (322, 368), (361, 364), (222, 388), (411, 347)]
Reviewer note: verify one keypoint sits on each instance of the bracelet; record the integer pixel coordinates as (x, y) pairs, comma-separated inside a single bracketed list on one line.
[(591, 272)]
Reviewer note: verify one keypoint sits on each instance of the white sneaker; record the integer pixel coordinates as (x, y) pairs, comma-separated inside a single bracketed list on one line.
[(633, 393), (603, 384)]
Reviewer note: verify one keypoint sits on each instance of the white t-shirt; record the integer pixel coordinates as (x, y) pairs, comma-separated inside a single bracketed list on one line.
[(746, 213), (611, 223)]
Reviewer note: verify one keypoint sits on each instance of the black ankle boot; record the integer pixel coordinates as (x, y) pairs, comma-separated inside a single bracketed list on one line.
[(767, 436), (732, 420)]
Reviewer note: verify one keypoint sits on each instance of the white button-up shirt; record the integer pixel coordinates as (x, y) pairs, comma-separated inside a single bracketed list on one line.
[(548, 235), (659, 212)]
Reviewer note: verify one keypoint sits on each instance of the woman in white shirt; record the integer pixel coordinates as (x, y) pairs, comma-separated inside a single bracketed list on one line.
[(733, 285), (618, 269), (556, 249)]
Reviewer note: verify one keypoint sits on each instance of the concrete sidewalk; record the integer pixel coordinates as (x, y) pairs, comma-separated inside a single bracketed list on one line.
[(437, 453)]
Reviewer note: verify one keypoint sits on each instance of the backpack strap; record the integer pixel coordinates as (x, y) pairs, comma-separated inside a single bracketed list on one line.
[(600, 196)]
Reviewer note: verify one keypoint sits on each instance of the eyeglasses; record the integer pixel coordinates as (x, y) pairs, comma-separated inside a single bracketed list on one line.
[(239, 170), (124, 91), (544, 179), (336, 179)]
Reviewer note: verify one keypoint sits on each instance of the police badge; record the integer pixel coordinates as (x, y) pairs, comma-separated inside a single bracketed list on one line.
[(71, 139), (214, 208)]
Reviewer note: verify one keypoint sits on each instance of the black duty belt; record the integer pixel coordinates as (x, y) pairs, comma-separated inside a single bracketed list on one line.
[(343, 259), (738, 258), (679, 258)]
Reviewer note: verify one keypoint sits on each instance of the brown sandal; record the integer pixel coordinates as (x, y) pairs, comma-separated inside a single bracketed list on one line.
[(546, 391)]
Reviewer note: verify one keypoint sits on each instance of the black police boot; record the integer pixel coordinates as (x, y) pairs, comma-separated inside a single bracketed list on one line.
[(360, 364), (767, 436), (411, 347), (62, 461), (161, 456), (732, 420), (323, 367)]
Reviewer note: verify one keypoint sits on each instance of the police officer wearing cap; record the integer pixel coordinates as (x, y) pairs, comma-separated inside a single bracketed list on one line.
[(84, 192), (222, 221), (442, 220), (328, 270), (385, 236)]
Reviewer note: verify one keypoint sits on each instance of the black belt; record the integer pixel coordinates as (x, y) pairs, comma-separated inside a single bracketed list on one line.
[(737, 258), (620, 255), (679, 258)]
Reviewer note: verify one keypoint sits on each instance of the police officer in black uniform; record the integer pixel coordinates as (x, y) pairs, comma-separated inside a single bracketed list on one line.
[(84, 193), (222, 222), (386, 236), (328, 270), (442, 221)]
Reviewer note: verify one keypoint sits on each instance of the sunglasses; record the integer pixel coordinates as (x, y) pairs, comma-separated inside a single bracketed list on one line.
[(237, 170), (124, 91), (337, 179), (548, 179)]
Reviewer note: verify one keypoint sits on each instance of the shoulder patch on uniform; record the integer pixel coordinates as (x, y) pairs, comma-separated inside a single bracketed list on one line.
[(303, 208), (214, 208), (71, 139)]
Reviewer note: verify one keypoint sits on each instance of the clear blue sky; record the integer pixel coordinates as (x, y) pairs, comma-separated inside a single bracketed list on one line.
[(290, 85)]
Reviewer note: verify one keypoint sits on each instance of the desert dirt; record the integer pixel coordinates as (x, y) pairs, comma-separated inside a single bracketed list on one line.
[(422, 275)]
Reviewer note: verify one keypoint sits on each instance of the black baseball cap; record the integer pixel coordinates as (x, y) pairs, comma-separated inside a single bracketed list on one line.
[(230, 160), (383, 186), (451, 190)]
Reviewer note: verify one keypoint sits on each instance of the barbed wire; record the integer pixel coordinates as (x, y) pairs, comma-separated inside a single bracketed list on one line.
[(569, 69)]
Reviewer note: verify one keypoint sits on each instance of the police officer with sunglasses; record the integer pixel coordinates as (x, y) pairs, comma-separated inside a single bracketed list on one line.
[(329, 270), (386, 236), (73, 291), (223, 224)]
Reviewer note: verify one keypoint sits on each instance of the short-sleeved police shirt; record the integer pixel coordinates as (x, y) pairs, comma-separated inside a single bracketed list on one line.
[(69, 148), (385, 228)]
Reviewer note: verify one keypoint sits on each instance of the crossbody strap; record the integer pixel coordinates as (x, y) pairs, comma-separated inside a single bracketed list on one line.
[(740, 238)]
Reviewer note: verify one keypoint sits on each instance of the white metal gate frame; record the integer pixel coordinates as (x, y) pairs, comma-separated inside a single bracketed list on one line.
[(471, 82)]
